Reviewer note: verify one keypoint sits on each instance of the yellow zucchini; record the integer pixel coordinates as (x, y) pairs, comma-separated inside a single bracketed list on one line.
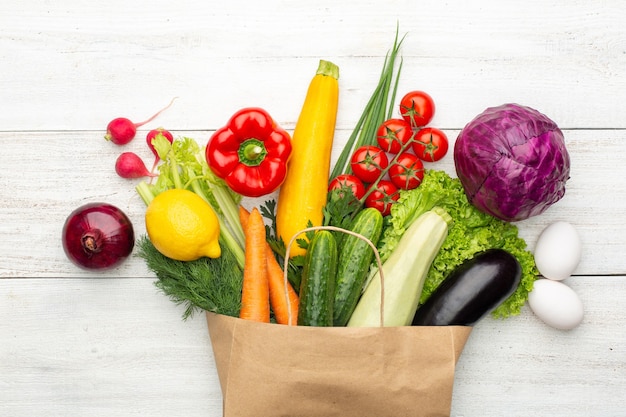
[(303, 194)]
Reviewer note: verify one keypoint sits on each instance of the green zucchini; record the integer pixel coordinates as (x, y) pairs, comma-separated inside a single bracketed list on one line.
[(317, 287), (355, 258), (404, 273)]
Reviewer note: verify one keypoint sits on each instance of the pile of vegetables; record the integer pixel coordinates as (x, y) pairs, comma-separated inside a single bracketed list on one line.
[(383, 237)]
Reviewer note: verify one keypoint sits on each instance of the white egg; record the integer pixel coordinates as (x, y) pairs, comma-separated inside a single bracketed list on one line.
[(556, 304), (558, 251)]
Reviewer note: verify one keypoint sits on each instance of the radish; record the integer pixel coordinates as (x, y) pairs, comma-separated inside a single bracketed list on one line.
[(150, 137), (122, 130), (130, 165)]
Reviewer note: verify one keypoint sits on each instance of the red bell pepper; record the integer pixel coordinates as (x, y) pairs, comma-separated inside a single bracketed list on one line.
[(250, 153)]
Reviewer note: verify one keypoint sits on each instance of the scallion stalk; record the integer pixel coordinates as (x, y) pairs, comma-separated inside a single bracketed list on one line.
[(376, 111)]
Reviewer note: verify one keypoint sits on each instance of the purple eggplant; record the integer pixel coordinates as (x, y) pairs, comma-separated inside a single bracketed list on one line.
[(473, 290)]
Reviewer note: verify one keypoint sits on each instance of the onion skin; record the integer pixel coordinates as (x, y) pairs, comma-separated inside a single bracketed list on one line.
[(512, 162), (98, 236)]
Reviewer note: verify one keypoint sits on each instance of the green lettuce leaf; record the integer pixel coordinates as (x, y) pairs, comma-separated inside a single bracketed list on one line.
[(472, 231)]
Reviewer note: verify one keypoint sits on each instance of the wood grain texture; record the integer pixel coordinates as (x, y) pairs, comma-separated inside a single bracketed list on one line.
[(78, 167), (79, 343), (69, 350), (78, 65), (101, 347)]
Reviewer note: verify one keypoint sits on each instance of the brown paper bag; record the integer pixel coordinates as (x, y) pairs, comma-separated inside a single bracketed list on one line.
[(272, 370)]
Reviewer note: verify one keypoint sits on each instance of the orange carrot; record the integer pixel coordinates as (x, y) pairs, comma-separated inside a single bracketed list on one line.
[(255, 303), (276, 280), (278, 300), (244, 215)]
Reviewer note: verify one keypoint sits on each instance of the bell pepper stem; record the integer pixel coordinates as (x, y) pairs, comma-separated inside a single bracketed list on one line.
[(252, 152)]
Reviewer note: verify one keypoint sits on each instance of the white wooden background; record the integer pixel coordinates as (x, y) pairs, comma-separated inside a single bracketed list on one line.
[(76, 343)]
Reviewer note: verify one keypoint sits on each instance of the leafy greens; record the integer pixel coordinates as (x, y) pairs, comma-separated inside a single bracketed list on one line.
[(202, 285), (472, 231), (184, 166)]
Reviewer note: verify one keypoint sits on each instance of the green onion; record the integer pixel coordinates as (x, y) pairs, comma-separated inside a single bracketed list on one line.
[(378, 109)]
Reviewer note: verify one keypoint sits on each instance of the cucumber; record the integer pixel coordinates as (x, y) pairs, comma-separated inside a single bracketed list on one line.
[(355, 258), (317, 287), (404, 273)]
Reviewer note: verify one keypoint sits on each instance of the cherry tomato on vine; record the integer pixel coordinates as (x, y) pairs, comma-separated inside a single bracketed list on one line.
[(352, 182), (430, 144), (383, 197), (407, 172), (368, 162), (392, 134), (417, 108)]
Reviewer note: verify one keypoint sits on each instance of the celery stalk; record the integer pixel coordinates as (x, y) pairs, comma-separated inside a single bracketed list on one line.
[(184, 166)]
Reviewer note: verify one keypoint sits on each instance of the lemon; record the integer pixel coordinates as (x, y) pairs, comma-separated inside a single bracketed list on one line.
[(182, 226)]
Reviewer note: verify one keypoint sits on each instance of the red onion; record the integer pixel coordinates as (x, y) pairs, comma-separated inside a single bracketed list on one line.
[(98, 236)]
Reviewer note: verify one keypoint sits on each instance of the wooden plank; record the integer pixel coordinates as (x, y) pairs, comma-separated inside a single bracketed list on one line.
[(117, 346), (85, 64), (521, 367), (76, 343), (35, 202), (100, 347)]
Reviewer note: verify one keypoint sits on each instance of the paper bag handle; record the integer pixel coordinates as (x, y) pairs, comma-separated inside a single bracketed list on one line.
[(349, 232)]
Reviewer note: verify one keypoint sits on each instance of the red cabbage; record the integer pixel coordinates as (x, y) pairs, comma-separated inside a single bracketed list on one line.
[(512, 162)]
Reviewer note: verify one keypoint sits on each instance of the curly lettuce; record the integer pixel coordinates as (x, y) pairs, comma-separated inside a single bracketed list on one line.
[(472, 231)]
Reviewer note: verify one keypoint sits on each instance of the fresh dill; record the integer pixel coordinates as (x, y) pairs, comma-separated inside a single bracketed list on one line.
[(202, 285)]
